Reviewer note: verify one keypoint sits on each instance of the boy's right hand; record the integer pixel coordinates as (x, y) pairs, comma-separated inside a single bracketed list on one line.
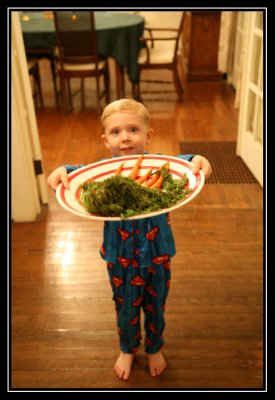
[(57, 176)]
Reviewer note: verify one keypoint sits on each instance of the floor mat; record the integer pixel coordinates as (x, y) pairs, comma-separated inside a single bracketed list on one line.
[(227, 166)]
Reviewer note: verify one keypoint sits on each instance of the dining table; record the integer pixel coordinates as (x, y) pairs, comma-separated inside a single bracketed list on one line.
[(118, 37)]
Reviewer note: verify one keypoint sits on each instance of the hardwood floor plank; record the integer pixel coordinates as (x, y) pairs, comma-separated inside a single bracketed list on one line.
[(203, 378)]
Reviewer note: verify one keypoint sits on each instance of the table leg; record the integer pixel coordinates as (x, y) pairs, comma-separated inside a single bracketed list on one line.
[(120, 84)]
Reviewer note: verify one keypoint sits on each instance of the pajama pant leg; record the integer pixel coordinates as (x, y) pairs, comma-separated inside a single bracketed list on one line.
[(155, 294), (127, 294), (134, 288)]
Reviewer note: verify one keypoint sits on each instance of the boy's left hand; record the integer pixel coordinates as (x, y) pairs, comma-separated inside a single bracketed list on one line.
[(202, 163)]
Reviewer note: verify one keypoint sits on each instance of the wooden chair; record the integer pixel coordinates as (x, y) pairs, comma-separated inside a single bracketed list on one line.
[(77, 55), (49, 54), (33, 67), (161, 51)]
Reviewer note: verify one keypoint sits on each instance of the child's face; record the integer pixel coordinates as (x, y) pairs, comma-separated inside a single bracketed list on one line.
[(125, 134)]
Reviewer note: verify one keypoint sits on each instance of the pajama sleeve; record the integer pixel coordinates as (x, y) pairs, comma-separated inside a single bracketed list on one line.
[(187, 157), (71, 168)]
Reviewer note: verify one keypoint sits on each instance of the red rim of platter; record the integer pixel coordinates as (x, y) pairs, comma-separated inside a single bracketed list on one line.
[(68, 198)]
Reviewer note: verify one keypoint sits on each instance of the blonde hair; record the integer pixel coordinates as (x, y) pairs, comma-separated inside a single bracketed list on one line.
[(128, 106)]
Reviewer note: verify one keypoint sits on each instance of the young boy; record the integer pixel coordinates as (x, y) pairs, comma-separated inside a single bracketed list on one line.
[(137, 252)]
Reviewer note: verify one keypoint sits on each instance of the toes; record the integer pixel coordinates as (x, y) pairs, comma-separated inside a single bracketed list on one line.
[(118, 372), (153, 371), (157, 371), (123, 366), (121, 374), (126, 375)]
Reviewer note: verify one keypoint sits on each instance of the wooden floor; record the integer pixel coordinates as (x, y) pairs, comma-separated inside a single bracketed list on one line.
[(63, 321)]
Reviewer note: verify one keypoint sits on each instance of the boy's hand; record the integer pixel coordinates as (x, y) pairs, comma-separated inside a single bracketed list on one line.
[(57, 176), (203, 164)]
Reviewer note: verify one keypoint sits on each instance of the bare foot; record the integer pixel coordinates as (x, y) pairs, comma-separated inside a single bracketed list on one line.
[(123, 365), (157, 363)]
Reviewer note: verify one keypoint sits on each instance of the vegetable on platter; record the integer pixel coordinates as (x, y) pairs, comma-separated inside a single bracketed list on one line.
[(128, 196)]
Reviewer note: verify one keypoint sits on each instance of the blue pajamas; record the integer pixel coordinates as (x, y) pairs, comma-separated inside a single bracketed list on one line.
[(138, 254), (135, 288), (138, 257)]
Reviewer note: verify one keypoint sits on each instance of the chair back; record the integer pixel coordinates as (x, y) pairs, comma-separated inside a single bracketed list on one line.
[(77, 54), (76, 37), (162, 46), (162, 19), (164, 29)]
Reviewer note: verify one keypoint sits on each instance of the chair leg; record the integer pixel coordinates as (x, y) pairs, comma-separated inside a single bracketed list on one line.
[(70, 107), (33, 67), (177, 83), (53, 69), (98, 94), (133, 90), (82, 90), (38, 83), (106, 76), (136, 91), (63, 94), (34, 92), (122, 82), (138, 97)]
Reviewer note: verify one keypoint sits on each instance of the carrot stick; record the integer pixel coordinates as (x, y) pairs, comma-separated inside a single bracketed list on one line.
[(135, 169), (144, 177), (157, 184), (151, 181), (118, 171)]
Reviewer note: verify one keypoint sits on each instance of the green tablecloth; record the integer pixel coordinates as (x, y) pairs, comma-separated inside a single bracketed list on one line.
[(117, 36)]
